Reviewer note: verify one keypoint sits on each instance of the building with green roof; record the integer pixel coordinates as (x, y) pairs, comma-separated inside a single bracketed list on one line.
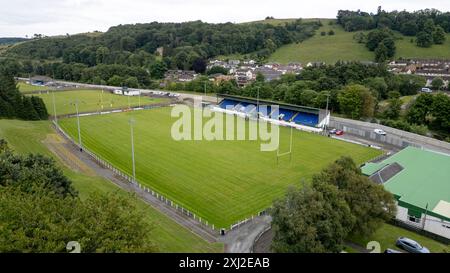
[(420, 181)]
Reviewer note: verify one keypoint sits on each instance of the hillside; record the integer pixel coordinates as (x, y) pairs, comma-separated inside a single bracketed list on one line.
[(329, 48), (342, 46)]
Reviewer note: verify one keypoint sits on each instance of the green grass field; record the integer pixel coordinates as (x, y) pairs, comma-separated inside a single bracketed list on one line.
[(342, 46), (329, 48), (24, 87), (406, 49), (28, 137), (92, 100), (221, 181)]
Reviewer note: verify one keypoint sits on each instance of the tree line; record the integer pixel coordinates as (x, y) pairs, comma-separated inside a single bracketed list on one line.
[(13, 104), (42, 212), (183, 44)]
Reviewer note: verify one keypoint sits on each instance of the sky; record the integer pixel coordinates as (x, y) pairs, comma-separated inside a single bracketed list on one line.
[(19, 18)]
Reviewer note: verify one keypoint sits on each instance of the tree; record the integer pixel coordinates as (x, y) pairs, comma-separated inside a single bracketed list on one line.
[(41, 221), (381, 53), (378, 86), (116, 80), (393, 109), (370, 204), (131, 82), (409, 84), (199, 65), (440, 110), (420, 109), (331, 32), (41, 211), (157, 70), (356, 101), (424, 39), (26, 171), (439, 35), (390, 46), (217, 70), (260, 77), (375, 37), (313, 219), (437, 83)]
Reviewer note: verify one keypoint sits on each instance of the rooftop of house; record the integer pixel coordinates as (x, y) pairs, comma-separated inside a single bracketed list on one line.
[(423, 181)]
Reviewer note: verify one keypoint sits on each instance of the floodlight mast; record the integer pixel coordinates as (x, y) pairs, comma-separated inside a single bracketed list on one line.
[(78, 123), (132, 121), (54, 108)]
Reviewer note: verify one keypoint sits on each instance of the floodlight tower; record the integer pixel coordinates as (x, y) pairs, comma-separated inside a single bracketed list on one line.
[(78, 123), (54, 108), (131, 122), (326, 112), (76, 102), (257, 103)]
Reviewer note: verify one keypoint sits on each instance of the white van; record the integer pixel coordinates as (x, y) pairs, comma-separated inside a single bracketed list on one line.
[(426, 90)]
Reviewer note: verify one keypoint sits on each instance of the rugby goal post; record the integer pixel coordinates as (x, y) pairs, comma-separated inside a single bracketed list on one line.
[(288, 152)]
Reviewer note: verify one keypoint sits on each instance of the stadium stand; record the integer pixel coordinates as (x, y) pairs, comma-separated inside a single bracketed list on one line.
[(306, 119), (288, 115)]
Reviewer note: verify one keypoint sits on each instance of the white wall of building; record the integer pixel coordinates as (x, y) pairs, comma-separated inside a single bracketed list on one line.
[(432, 224)]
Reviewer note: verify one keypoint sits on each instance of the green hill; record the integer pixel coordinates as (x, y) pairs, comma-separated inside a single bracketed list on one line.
[(342, 46), (329, 48)]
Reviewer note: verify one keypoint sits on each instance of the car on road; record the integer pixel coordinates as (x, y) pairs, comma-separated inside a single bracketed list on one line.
[(426, 90), (390, 250), (379, 132), (410, 245), (336, 132)]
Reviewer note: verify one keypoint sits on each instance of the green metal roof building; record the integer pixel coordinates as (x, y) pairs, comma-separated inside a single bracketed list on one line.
[(420, 182)]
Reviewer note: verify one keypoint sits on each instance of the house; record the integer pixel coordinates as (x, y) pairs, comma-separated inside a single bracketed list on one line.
[(315, 64), (268, 73), (419, 180), (218, 78), (180, 75), (428, 68), (243, 76)]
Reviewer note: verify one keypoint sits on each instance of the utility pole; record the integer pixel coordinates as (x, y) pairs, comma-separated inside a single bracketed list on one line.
[(326, 112), (257, 103), (425, 217), (139, 98), (54, 108), (78, 123), (132, 121)]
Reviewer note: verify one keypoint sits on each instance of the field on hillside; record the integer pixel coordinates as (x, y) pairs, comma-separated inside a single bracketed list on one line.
[(406, 49), (329, 48), (342, 46), (221, 181), (92, 100), (29, 137)]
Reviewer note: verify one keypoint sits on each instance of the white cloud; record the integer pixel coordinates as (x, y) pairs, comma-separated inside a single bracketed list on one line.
[(53, 17)]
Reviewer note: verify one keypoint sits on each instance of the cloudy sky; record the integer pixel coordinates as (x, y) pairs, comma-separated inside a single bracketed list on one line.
[(53, 17)]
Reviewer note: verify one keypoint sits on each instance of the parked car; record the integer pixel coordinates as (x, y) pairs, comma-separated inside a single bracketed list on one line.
[(426, 90), (379, 132), (389, 250), (411, 245), (339, 132), (333, 131)]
